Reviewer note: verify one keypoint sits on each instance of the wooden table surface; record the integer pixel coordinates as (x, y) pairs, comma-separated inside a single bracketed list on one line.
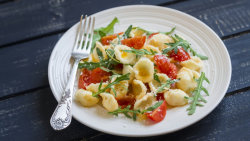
[(29, 30)]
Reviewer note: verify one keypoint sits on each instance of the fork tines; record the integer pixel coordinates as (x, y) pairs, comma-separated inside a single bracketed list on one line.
[(85, 34)]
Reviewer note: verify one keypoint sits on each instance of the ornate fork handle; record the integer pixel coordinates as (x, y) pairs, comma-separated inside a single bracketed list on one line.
[(62, 115)]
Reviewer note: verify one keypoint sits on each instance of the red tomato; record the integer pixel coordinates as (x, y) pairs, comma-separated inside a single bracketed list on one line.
[(160, 96), (136, 42), (165, 66), (181, 55), (92, 76), (107, 39), (151, 35), (159, 113)]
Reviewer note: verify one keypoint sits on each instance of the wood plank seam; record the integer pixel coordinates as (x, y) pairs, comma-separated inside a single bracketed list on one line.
[(6, 1), (23, 92), (171, 2), (235, 35)]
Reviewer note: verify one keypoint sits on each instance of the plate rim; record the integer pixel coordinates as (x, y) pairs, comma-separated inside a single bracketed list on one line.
[(228, 59)]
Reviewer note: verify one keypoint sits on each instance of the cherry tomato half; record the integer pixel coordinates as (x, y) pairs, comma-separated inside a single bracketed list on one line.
[(159, 113)]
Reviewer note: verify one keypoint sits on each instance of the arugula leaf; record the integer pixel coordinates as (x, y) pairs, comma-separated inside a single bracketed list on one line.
[(127, 32), (116, 81), (169, 32), (140, 52), (147, 32), (150, 32), (96, 37), (109, 29), (119, 40), (103, 31), (156, 105), (156, 77), (166, 85), (126, 111), (99, 53), (197, 97), (104, 64), (184, 44), (89, 65)]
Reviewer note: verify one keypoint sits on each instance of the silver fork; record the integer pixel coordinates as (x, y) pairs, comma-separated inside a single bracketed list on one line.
[(62, 115)]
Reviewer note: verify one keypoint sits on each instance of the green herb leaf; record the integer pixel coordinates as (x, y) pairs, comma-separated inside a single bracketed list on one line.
[(140, 52), (166, 85), (170, 32), (156, 77), (197, 97), (147, 32), (127, 112), (116, 81), (103, 31), (184, 44), (89, 65), (127, 32), (99, 53), (156, 105), (109, 29)]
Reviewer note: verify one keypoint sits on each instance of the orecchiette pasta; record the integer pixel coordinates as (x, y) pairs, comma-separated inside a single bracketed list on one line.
[(153, 85), (102, 48), (187, 82), (128, 69), (144, 102), (194, 63), (139, 89), (136, 32), (159, 40), (86, 98), (121, 89), (94, 87), (175, 97), (109, 102), (124, 57), (144, 70)]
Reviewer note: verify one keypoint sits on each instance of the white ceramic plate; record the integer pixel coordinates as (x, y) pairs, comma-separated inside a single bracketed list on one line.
[(153, 18)]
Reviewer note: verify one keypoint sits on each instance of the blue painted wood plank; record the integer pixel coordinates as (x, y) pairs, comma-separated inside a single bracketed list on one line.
[(20, 22), (239, 52), (27, 117), (25, 19)]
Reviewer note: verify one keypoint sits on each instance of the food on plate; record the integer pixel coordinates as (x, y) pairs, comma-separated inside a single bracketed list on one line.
[(140, 73)]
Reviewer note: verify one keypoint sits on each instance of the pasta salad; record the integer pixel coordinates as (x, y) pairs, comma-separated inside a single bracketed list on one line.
[(139, 73)]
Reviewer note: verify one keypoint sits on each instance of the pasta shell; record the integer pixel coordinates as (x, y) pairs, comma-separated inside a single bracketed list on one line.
[(154, 85), (121, 89), (102, 48), (175, 97), (94, 87), (128, 69), (159, 40), (136, 32), (124, 57), (187, 82), (139, 89), (144, 70), (194, 63), (85, 98), (145, 102), (109, 102)]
